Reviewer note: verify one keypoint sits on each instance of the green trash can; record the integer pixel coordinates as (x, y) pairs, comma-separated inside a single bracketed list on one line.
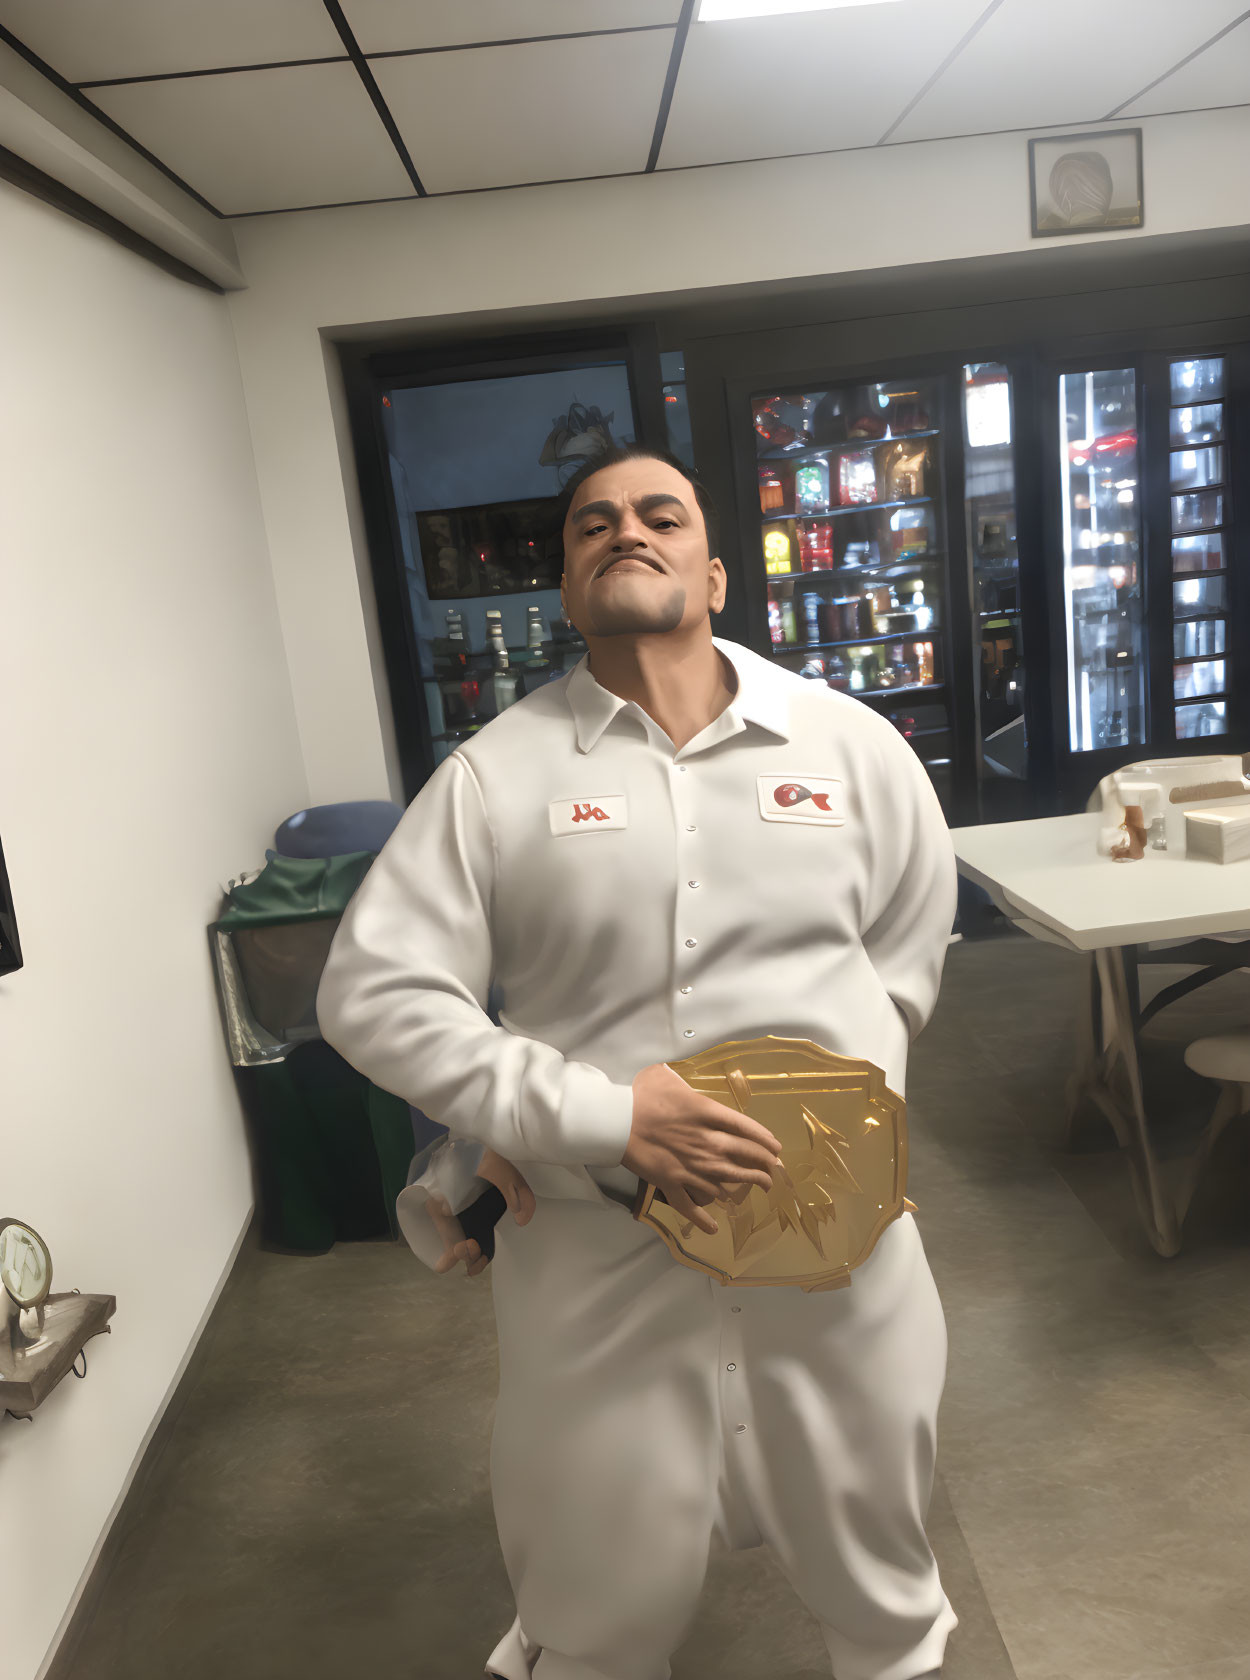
[(331, 1149)]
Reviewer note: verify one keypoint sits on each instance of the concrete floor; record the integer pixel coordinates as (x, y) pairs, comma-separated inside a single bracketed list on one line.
[(318, 1507)]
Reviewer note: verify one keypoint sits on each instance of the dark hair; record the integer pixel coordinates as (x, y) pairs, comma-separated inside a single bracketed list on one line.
[(641, 452)]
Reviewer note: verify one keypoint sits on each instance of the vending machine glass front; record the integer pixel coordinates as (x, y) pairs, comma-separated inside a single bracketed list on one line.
[(1102, 564), (476, 469), (990, 515), (852, 552), (1199, 492)]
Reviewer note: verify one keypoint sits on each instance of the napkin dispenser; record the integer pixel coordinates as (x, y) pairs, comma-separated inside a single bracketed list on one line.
[(1165, 789)]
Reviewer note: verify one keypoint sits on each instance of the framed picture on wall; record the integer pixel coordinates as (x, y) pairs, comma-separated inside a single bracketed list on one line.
[(1086, 183), (10, 948)]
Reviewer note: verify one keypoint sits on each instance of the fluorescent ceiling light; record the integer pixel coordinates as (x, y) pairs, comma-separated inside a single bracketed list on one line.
[(713, 11)]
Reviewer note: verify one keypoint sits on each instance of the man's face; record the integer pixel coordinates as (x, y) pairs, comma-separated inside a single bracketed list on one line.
[(635, 554)]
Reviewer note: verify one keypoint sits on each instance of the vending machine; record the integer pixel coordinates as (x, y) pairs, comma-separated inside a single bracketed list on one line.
[(1147, 541), (886, 545)]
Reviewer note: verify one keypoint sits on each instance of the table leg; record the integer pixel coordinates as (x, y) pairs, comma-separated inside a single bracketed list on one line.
[(1159, 1213), (1088, 1055)]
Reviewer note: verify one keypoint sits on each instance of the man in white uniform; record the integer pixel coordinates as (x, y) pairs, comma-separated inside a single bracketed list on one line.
[(611, 855)]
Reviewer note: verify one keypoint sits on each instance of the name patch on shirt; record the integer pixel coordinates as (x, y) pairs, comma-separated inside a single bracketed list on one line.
[(585, 816), (802, 799)]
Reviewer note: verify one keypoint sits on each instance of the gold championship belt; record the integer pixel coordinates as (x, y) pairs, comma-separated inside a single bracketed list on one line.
[(843, 1136)]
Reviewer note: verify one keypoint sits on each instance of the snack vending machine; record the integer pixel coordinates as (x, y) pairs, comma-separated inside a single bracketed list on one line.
[(851, 524), (887, 555)]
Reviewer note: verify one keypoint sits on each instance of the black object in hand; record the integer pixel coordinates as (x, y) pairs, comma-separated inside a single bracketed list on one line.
[(479, 1219)]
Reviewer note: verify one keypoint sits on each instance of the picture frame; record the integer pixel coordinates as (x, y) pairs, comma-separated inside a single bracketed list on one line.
[(10, 945), (1086, 183)]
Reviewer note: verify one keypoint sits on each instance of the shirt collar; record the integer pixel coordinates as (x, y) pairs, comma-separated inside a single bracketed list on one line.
[(761, 698)]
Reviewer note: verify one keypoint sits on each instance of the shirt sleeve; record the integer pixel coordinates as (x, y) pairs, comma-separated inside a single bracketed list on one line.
[(403, 996), (913, 882)]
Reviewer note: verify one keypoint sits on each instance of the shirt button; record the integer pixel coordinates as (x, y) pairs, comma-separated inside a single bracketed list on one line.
[(682, 768), (690, 828), (731, 1367), (687, 988), (692, 943), (689, 1032), (692, 883), (740, 1428), (735, 1309)]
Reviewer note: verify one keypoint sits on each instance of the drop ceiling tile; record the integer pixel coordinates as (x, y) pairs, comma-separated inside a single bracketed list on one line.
[(395, 25), (1218, 76), (545, 111), (265, 139), (86, 41), (1062, 61), (805, 81)]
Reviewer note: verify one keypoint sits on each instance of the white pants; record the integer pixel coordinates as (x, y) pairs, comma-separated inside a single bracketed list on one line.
[(641, 1405)]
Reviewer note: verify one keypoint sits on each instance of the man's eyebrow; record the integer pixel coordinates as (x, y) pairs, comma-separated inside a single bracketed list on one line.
[(600, 510), (644, 504)]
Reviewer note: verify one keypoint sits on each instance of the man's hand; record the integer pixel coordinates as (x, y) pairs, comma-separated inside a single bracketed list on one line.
[(694, 1148), (456, 1247)]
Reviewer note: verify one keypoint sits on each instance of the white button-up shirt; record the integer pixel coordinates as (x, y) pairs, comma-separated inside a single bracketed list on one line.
[(787, 871)]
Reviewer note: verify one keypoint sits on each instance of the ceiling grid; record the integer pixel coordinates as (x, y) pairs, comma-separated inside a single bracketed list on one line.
[(261, 110)]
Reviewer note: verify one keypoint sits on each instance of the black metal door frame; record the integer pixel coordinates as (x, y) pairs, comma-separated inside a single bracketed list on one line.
[(371, 366)]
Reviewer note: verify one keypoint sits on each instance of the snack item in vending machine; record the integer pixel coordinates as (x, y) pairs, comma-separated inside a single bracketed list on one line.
[(909, 533), (780, 422), (857, 478), (811, 487), (902, 668), (903, 471), (816, 545), (778, 552), (772, 492), (837, 673), (907, 415), (846, 612), (776, 633), (867, 420), (829, 621), (811, 616)]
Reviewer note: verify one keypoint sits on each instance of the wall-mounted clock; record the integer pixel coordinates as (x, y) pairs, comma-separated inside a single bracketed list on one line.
[(25, 1264)]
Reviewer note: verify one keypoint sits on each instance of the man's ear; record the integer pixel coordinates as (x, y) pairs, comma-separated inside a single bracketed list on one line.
[(717, 585)]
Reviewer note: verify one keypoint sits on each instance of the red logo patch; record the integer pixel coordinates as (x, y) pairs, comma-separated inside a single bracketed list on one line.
[(587, 813), (794, 793)]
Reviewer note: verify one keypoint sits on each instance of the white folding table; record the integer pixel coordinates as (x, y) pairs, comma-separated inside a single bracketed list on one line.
[(1046, 876)]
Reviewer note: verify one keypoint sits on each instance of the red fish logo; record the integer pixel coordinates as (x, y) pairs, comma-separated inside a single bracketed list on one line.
[(794, 793)]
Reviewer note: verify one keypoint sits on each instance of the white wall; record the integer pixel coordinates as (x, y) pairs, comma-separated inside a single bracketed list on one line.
[(148, 750), (636, 236)]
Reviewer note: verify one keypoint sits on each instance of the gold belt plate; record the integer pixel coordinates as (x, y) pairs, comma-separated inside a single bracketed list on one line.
[(843, 1136)]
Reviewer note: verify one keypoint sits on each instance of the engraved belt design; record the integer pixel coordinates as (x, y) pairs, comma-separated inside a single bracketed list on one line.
[(843, 1167)]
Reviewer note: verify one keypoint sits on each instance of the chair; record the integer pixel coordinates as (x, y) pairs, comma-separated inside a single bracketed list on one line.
[(1226, 1059)]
